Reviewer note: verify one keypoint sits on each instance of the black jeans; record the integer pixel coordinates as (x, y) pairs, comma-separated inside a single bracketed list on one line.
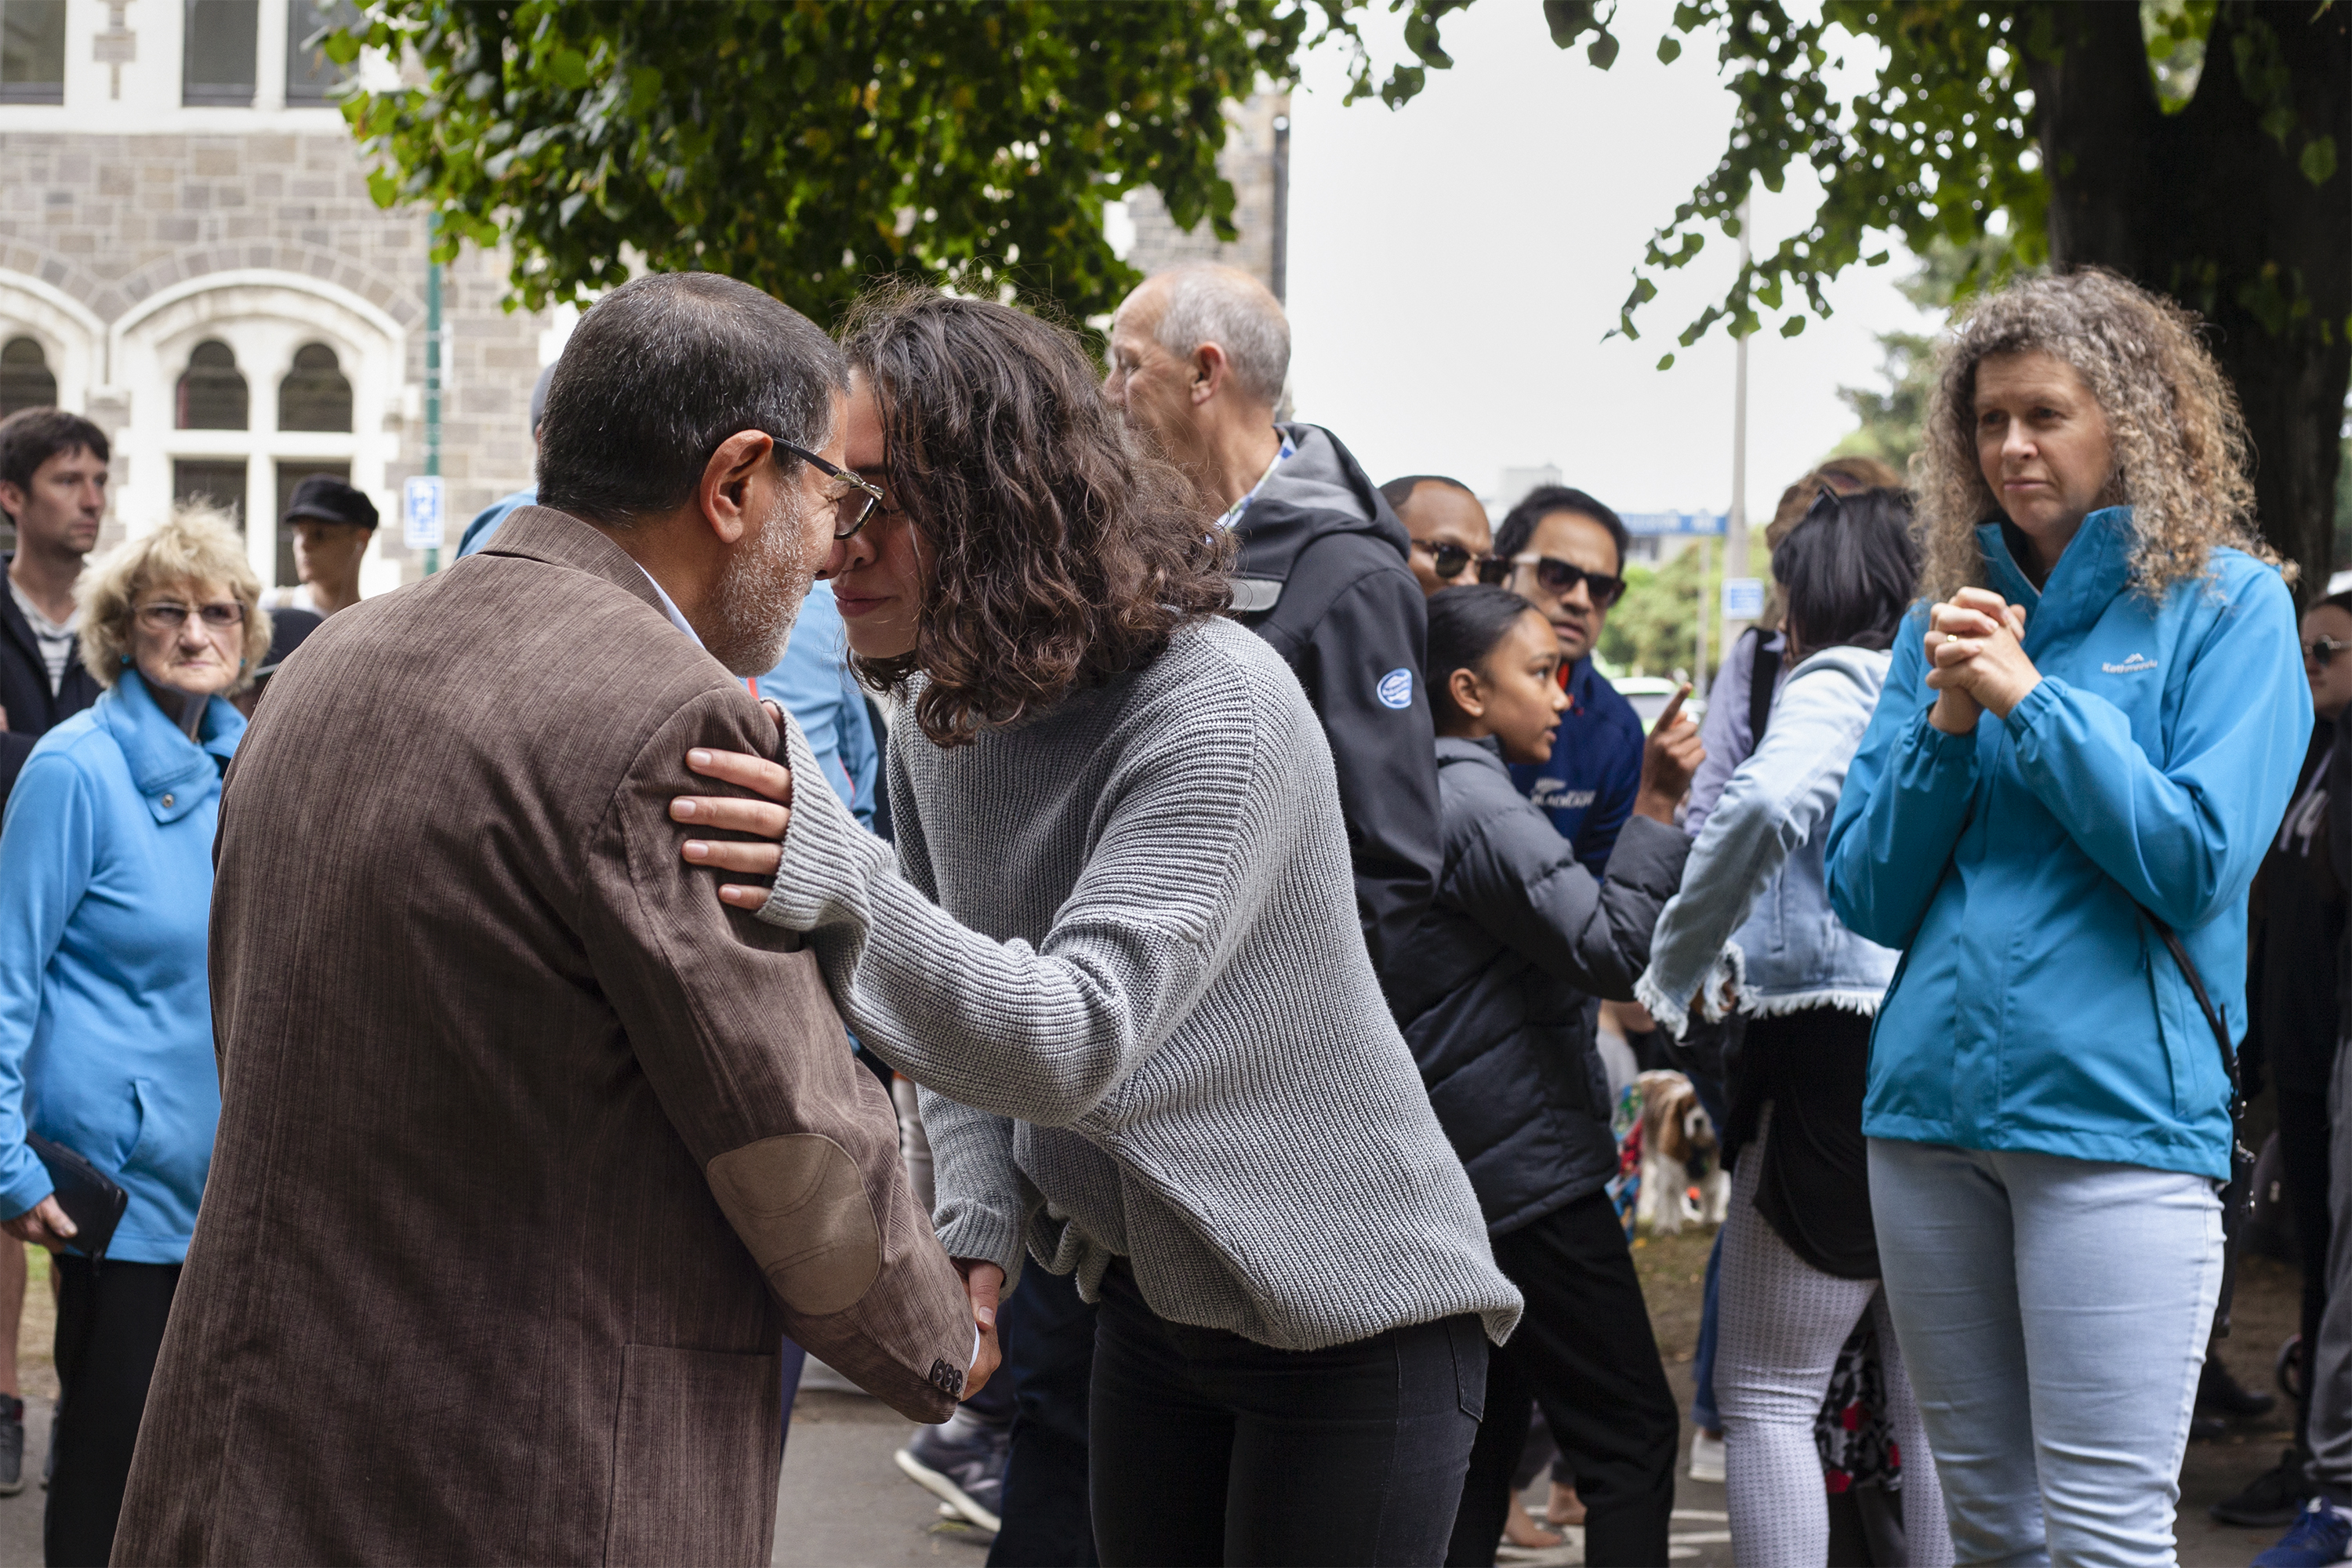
[(110, 1329), (1211, 1448), (2302, 1148), (1585, 1352), (1048, 1333)]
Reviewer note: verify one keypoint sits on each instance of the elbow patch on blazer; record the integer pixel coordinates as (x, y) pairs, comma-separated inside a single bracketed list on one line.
[(800, 1206)]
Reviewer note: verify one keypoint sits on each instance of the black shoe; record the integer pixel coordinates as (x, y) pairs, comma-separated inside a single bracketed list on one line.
[(2218, 1393), (2271, 1498), (12, 1445)]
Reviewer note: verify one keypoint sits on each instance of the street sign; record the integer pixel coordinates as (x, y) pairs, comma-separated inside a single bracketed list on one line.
[(421, 510), (1743, 598)]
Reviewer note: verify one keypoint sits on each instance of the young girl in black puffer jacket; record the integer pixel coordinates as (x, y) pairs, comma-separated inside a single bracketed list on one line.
[(1494, 995)]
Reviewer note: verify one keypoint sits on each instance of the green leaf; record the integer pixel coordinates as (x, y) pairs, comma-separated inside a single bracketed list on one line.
[(1666, 362), (2318, 160), (1569, 19), (568, 68), (1792, 326), (340, 46), (1602, 50), (1668, 49)]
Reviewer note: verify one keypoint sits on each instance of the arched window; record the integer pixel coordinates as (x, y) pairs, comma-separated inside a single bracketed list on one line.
[(24, 378), (211, 392), (314, 395)]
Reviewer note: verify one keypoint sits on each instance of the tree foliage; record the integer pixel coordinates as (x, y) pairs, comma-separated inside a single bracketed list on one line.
[(1653, 629), (808, 147)]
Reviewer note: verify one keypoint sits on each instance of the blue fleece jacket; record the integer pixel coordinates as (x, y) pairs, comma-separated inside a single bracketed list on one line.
[(2035, 1008), (105, 1018)]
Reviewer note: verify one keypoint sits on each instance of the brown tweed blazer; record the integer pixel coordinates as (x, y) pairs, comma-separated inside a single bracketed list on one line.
[(530, 1149)]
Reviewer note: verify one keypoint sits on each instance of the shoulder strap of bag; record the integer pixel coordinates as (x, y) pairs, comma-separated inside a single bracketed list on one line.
[(1763, 674), (2213, 1015)]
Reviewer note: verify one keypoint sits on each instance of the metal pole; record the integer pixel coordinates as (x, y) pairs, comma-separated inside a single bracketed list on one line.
[(1705, 609), (432, 370), (1280, 261), (1734, 528)]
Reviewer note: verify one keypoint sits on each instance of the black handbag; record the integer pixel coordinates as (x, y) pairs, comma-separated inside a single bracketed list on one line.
[(90, 1199), (2237, 1193)]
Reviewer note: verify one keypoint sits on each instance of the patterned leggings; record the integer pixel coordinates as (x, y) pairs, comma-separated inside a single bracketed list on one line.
[(1783, 1323)]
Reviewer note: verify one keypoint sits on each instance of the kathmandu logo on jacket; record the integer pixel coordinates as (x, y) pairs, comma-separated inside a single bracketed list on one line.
[(1396, 689), (2136, 663)]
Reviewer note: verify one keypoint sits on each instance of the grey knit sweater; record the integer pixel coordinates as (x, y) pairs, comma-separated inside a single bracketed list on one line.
[(1118, 949)]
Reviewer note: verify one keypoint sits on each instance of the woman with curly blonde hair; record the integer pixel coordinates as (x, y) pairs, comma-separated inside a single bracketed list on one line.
[(106, 1023), (2084, 745)]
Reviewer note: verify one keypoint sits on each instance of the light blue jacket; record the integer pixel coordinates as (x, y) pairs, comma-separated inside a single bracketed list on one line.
[(105, 1018), (814, 684), (2035, 1008), (1753, 910)]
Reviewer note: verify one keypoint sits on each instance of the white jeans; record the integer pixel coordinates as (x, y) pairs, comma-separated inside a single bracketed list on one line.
[(2054, 1315)]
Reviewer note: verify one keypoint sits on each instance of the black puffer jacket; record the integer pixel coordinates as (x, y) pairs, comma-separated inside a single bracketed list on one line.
[(1493, 998)]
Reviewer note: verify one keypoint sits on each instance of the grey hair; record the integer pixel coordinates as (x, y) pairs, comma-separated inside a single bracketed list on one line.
[(1212, 303)]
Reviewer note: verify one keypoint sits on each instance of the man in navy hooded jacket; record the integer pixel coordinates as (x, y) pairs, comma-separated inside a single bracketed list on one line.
[(1197, 357)]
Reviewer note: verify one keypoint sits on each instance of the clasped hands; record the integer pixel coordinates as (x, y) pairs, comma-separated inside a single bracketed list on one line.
[(1976, 660)]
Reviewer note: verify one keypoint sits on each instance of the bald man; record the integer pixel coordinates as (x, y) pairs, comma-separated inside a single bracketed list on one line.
[(1197, 357), (1447, 525)]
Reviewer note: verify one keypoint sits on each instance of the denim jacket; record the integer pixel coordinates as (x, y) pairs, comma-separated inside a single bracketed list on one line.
[(1754, 910)]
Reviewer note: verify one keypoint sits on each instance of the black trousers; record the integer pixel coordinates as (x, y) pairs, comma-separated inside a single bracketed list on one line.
[(1585, 1352), (2302, 1149), (1212, 1449), (110, 1321), (1048, 1333)]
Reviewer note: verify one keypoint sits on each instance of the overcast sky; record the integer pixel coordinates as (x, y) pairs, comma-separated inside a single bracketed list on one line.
[(1454, 264)]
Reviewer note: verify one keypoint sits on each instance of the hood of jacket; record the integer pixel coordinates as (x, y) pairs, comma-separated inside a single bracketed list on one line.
[(1319, 491)]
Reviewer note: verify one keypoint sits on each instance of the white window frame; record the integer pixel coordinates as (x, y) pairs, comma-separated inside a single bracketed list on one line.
[(264, 317), (72, 338)]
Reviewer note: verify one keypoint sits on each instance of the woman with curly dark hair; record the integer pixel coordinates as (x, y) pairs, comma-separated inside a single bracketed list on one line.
[(1118, 935)]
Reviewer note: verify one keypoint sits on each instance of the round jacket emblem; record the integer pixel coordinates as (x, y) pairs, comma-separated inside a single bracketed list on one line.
[(1396, 689)]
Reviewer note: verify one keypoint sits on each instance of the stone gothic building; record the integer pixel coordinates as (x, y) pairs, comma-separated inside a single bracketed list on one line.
[(189, 256)]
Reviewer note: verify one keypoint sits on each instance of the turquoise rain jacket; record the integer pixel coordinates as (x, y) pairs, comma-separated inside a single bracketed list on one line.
[(2034, 1007), (106, 1016)]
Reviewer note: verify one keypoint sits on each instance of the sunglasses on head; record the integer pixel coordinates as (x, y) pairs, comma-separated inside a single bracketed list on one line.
[(1448, 560), (1556, 577), (2322, 651)]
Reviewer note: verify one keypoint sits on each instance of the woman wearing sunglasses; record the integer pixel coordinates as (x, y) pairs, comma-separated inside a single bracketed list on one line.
[(1116, 944)]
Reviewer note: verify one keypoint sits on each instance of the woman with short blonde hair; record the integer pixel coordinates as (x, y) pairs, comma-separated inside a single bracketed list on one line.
[(2083, 748), (106, 1028)]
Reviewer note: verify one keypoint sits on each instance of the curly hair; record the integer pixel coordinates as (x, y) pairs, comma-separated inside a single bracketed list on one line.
[(199, 547), (1060, 554), (2180, 450)]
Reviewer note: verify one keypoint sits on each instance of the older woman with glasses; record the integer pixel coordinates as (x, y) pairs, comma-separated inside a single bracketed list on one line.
[(106, 1030)]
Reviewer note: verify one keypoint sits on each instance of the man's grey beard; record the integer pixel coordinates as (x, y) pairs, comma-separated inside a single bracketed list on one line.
[(760, 594)]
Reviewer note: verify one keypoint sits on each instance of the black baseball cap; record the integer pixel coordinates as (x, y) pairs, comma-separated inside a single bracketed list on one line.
[(326, 499)]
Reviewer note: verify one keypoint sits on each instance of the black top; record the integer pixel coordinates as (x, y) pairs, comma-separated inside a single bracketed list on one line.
[(1495, 986), (1814, 1188), (1324, 577), (2298, 910), (32, 709)]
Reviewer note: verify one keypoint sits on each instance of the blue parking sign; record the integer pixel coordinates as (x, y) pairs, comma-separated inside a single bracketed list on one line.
[(421, 511)]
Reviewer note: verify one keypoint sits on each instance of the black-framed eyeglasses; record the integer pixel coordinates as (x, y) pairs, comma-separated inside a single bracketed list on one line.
[(170, 617), (1556, 575), (854, 498), (2322, 651), (1448, 560)]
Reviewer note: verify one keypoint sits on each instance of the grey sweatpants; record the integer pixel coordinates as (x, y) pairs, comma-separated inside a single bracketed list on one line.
[(2331, 1359)]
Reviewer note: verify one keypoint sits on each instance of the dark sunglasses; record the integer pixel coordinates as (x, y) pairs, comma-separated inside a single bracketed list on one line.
[(1447, 560), (1557, 577), (853, 500), (2322, 651)]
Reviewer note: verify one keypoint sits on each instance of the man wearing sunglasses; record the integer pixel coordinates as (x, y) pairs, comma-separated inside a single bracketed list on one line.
[(1447, 524), (1564, 553)]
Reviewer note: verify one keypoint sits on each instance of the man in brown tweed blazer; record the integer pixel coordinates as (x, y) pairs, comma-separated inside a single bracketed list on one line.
[(529, 1150)]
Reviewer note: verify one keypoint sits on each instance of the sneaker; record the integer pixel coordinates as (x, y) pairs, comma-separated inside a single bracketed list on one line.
[(1707, 1457), (961, 1463), (2271, 1500), (2321, 1536), (12, 1445), (2220, 1394)]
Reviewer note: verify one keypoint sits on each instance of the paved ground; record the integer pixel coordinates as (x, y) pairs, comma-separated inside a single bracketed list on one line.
[(843, 1501)]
